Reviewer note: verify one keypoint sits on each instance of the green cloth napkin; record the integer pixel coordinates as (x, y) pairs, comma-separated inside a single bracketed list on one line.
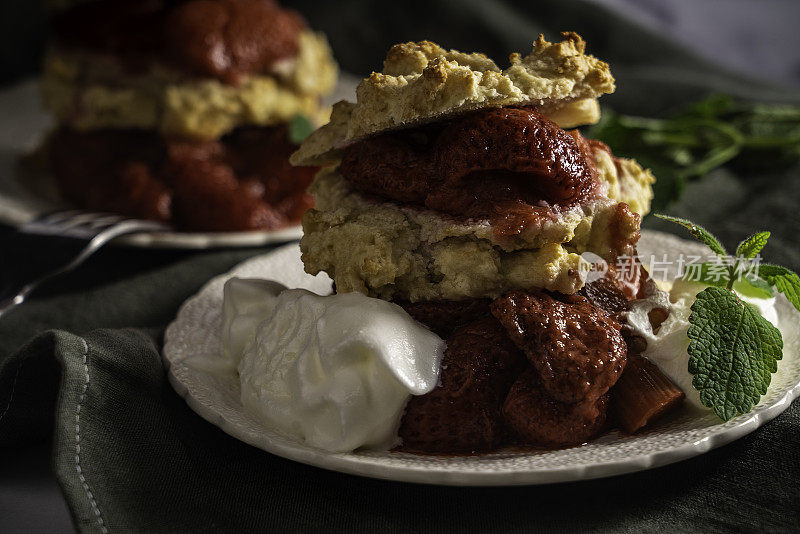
[(131, 456)]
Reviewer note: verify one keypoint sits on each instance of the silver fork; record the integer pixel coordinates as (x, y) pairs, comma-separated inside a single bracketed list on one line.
[(99, 228)]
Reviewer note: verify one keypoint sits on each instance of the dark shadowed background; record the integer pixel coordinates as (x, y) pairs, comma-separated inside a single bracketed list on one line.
[(758, 38)]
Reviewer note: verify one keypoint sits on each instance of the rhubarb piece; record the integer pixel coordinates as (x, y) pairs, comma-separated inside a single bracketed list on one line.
[(643, 394)]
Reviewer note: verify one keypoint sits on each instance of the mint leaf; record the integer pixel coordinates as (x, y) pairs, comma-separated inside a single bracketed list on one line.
[(717, 275), (700, 233), (753, 287), (708, 273), (750, 247), (299, 129), (784, 280), (733, 352)]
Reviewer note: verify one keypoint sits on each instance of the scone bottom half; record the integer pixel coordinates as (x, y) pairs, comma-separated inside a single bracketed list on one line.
[(451, 188)]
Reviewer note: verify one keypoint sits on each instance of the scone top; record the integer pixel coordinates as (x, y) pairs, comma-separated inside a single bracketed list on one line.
[(422, 83)]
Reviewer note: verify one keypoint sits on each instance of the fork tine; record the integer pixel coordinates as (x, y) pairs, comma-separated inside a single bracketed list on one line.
[(93, 220), (104, 222), (73, 223), (55, 217), (85, 224)]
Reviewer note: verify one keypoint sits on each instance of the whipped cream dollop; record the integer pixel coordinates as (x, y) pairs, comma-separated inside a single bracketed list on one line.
[(668, 347), (334, 372)]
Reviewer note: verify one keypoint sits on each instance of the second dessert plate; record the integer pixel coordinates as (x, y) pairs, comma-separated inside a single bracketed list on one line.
[(27, 191), (684, 434)]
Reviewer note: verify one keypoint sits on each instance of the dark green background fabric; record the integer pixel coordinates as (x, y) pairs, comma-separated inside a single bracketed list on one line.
[(147, 463)]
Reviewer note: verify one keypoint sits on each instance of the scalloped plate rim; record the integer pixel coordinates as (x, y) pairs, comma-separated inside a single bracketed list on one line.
[(427, 472)]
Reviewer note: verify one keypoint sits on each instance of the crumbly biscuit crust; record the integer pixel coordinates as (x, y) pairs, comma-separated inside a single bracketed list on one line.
[(422, 82), (390, 250), (625, 180)]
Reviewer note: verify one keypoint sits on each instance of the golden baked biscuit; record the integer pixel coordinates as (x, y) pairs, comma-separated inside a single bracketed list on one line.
[(625, 180), (422, 82)]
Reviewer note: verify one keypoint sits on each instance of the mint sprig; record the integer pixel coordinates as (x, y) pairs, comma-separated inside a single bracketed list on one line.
[(733, 349), (733, 352), (686, 145)]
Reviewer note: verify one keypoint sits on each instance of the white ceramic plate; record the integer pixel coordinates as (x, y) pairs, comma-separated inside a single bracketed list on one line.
[(685, 434), (26, 192)]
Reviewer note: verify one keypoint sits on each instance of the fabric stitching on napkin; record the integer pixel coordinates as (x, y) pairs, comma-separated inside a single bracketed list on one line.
[(13, 389), (78, 468)]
